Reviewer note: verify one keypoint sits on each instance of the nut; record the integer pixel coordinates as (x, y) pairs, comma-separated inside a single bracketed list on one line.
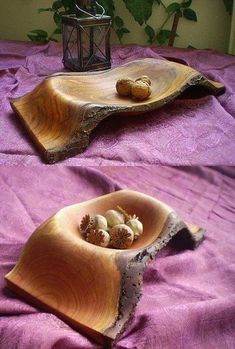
[(136, 226), (98, 237), (144, 78), (141, 90), (86, 224), (121, 236), (99, 222), (114, 217), (123, 86)]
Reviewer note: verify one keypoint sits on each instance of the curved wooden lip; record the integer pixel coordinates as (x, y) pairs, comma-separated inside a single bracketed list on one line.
[(214, 85), (124, 198), (193, 78), (61, 112), (161, 223)]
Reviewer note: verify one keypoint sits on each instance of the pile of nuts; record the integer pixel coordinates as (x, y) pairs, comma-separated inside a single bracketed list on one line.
[(115, 229), (139, 89)]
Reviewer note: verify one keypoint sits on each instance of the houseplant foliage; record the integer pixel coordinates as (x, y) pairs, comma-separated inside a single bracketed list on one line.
[(140, 10), (229, 6)]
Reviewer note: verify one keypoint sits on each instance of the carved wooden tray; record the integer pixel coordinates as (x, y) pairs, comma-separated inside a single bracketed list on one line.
[(94, 289), (62, 111)]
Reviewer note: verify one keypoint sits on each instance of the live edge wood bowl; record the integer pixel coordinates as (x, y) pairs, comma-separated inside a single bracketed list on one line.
[(61, 112), (94, 289)]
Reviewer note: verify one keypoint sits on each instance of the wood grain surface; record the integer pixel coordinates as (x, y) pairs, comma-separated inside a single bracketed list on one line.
[(63, 110), (94, 289)]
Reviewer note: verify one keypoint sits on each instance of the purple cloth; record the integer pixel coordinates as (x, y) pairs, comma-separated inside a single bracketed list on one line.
[(186, 131), (188, 296)]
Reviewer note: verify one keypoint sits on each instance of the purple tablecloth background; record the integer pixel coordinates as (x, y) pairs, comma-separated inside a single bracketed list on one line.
[(188, 296), (186, 131)]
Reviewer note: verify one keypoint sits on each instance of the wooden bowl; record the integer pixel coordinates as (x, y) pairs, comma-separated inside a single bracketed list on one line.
[(94, 289), (62, 111)]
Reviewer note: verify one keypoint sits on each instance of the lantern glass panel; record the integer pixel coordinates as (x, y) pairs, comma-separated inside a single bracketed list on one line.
[(86, 43), (73, 49), (93, 45)]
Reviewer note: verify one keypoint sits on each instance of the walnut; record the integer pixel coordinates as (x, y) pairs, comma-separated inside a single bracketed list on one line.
[(140, 90), (144, 78), (121, 236), (123, 86)]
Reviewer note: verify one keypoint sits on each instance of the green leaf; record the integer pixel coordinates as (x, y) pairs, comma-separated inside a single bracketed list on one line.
[(36, 38), (121, 31), (57, 19), (38, 35), (186, 4), (69, 5), (62, 13), (150, 32), (179, 13), (229, 6), (163, 36), (39, 32), (118, 21), (53, 39), (57, 31), (67, 12), (174, 7), (190, 14), (57, 5), (141, 10), (40, 10), (125, 30)]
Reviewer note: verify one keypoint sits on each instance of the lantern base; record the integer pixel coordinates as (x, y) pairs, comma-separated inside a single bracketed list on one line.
[(96, 64)]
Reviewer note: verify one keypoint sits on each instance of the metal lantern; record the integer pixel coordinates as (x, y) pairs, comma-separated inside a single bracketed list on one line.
[(86, 38)]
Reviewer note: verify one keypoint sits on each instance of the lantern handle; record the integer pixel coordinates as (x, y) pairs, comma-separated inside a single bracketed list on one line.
[(103, 9), (90, 14)]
